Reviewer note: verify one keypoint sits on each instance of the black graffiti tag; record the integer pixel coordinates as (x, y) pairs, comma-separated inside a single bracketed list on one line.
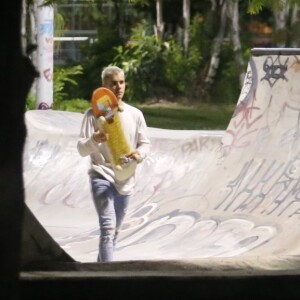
[(274, 70)]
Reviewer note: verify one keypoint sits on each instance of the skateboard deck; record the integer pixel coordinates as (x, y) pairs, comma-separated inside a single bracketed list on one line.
[(106, 110)]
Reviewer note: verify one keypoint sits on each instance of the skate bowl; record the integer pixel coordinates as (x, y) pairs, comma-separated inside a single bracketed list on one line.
[(212, 203)]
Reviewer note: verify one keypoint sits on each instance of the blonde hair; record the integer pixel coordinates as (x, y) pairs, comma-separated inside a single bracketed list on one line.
[(109, 71)]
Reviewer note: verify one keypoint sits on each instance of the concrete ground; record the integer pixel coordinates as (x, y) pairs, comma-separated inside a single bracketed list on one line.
[(215, 214)]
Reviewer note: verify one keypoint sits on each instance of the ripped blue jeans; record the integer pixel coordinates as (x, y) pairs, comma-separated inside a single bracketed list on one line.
[(111, 208)]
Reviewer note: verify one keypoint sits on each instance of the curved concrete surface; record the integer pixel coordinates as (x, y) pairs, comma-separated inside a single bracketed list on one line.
[(200, 194)]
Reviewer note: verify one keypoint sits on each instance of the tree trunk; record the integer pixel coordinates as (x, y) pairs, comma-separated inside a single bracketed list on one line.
[(17, 74), (280, 18), (295, 23), (213, 5), (119, 7), (216, 47), (233, 15), (186, 25), (159, 28)]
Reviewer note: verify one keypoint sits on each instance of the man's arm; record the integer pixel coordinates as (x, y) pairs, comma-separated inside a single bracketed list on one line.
[(143, 142), (89, 140)]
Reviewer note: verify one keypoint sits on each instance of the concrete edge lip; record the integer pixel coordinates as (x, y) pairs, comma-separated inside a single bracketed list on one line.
[(275, 51), (217, 267)]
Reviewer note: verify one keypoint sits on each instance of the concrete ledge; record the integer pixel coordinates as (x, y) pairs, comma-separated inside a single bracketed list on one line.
[(275, 51), (143, 285), (230, 266), (170, 279)]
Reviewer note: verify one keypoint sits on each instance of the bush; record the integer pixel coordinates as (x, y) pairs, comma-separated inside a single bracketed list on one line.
[(96, 56), (74, 105), (60, 78), (180, 71), (154, 67), (30, 102), (226, 88)]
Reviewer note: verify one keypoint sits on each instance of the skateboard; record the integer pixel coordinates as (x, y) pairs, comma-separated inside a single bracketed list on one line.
[(106, 109)]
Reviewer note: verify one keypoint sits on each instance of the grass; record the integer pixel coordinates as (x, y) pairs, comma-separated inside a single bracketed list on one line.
[(200, 117), (169, 115)]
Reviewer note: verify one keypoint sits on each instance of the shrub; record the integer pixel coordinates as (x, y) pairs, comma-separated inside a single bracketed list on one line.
[(74, 105), (60, 78), (154, 67)]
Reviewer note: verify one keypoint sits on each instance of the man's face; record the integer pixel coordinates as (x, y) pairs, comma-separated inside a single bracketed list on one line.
[(116, 83)]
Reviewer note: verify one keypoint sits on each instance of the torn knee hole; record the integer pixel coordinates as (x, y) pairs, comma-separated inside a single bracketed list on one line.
[(108, 229), (107, 235), (106, 239)]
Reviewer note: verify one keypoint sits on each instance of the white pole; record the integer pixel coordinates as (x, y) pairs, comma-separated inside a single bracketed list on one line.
[(45, 21)]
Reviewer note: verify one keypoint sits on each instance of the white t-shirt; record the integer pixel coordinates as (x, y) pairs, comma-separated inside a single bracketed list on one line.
[(135, 129)]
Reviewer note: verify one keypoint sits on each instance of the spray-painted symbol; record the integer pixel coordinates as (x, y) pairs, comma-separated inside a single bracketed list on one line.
[(48, 74), (274, 69), (44, 106)]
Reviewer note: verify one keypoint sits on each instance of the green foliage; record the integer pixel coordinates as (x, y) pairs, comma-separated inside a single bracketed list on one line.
[(59, 24), (203, 30), (140, 2), (30, 102), (256, 6), (95, 57), (181, 117), (295, 31), (74, 105), (157, 68), (226, 88), (180, 70), (140, 59), (154, 67), (61, 77)]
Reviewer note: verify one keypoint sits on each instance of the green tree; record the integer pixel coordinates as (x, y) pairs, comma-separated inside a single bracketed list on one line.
[(155, 68)]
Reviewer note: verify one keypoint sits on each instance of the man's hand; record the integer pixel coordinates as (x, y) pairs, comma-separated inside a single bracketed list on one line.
[(100, 137), (135, 155)]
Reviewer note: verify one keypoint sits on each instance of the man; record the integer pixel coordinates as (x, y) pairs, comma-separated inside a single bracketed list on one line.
[(111, 196)]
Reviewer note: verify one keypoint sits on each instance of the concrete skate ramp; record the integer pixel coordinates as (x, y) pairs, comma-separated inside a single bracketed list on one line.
[(211, 195)]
